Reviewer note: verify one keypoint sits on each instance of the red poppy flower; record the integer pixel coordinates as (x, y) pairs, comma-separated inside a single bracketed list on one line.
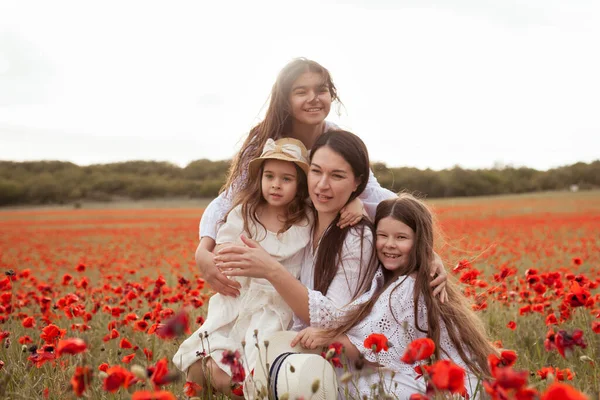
[(140, 325), (418, 396), (127, 359), (445, 375), (81, 379), (147, 395), (117, 377), (577, 261), (417, 350), (159, 374), (70, 346), (51, 333), (191, 389), (376, 342), (43, 355), (577, 296), (561, 391), (25, 340), (512, 325), (175, 326), (596, 326), (28, 322), (125, 344)]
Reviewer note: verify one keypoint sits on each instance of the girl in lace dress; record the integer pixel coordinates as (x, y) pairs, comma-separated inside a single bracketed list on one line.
[(271, 210), (401, 306)]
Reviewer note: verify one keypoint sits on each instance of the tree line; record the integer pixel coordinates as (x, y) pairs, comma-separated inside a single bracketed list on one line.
[(58, 182)]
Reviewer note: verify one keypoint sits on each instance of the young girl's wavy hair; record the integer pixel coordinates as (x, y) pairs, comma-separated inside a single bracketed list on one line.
[(465, 329), (251, 199), (278, 119)]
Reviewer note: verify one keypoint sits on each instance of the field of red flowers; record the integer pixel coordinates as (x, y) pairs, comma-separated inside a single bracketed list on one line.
[(90, 300)]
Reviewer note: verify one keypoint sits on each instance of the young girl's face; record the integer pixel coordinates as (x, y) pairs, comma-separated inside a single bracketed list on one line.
[(310, 99), (279, 182), (394, 242)]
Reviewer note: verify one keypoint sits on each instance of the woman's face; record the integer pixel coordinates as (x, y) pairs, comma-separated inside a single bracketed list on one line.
[(310, 99), (394, 242), (331, 181)]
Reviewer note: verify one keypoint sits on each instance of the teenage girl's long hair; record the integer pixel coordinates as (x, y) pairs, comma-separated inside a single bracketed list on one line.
[(278, 119), (465, 329), (328, 259), (251, 199)]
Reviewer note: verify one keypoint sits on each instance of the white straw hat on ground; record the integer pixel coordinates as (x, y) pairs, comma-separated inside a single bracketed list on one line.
[(282, 370)]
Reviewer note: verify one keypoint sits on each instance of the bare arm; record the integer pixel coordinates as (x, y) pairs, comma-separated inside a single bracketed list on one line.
[(215, 278), (254, 261)]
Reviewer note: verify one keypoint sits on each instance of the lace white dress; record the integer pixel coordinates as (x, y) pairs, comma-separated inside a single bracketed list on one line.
[(218, 208), (381, 320), (258, 307)]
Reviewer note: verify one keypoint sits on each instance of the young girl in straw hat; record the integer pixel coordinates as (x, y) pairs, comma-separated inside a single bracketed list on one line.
[(271, 210)]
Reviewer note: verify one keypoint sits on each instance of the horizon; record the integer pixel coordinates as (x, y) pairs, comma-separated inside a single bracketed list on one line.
[(429, 84)]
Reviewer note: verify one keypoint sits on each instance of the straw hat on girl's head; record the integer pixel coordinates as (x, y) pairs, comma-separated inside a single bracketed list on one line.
[(286, 149), (294, 371)]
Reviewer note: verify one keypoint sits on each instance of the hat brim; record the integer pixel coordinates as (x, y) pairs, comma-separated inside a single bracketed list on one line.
[(254, 166), (279, 343)]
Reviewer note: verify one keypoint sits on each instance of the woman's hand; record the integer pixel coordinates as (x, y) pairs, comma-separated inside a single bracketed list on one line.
[(439, 283), (312, 338), (210, 273), (351, 214), (250, 260)]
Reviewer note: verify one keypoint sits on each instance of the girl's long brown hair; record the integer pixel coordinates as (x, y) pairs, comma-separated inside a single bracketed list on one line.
[(251, 199), (277, 122), (465, 329), (329, 254)]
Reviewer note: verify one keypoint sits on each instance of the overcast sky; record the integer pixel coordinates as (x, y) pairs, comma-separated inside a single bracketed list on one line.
[(429, 84)]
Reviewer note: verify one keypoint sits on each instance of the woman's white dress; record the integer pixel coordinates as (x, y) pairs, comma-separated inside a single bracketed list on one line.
[(399, 328), (258, 307)]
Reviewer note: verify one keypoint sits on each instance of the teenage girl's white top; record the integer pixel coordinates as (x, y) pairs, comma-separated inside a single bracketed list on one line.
[(399, 327), (258, 307), (218, 208)]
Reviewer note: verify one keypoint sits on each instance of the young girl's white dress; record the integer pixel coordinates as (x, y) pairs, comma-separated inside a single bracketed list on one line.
[(258, 307), (400, 329)]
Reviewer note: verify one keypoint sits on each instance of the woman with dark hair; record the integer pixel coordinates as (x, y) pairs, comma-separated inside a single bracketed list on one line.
[(300, 100), (338, 263)]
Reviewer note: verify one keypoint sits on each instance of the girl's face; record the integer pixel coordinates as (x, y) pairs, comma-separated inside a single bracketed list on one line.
[(279, 182), (394, 242), (331, 181), (310, 99)]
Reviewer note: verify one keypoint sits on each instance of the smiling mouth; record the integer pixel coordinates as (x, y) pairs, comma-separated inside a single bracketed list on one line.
[(388, 255), (275, 195), (313, 109), (321, 197)]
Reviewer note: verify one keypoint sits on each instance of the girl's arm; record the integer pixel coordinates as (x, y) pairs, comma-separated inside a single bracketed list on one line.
[(312, 307), (211, 218), (373, 194)]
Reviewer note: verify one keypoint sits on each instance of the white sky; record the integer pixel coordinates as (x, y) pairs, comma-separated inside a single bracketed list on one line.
[(429, 84)]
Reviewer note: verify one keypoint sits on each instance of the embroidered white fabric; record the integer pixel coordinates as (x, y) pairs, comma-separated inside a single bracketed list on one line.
[(398, 325), (220, 206)]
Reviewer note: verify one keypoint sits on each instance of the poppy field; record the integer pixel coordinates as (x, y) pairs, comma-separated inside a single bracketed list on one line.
[(94, 302)]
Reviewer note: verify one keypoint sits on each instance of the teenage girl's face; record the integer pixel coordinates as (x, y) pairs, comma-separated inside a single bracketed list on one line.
[(331, 181), (394, 241), (310, 99), (279, 182)]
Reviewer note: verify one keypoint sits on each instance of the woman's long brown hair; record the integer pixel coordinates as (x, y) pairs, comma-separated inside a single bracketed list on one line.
[(277, 122), (465, 329), (328, 259)]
